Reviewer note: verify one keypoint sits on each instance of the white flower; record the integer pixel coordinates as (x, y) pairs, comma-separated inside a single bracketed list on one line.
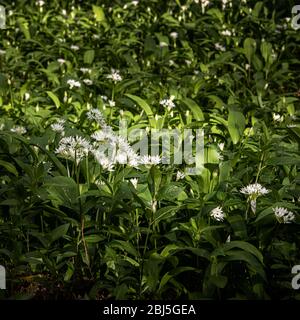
[(2, 52), (96, 36), (19, 130), (150, 160), (104, 98), (88, 82), (188, 62), (255, 189), (58, 127), (134, 181), (283, 215), (180, 175), (135, 3), (174, 35), (40, 3), (168, 103), (73, 83), (220, 47), (217, 214), (61, 61), (277, 117), (102, 135), (226, 33), (103, 160), (95, 114), (204, 3), (74, 147), (26, 96), (85, 70), (115, 75), (74, 47), (163, 44), (111, 103)]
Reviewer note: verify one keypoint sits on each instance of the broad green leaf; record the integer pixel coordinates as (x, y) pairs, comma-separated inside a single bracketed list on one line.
[(93, 238), (165, 213), (249, 48), (245, 246), (54, 98), (89, 56), (144, 105), (99, 13), (195, 108), (236, 124), (9, 167), (59, 232)]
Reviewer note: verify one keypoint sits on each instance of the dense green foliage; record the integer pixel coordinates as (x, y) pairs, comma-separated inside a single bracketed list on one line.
[(70, 229)]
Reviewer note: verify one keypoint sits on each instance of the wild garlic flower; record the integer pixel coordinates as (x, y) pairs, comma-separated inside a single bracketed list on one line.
[(61, 61), (134, 181), (217, 214), (163, 44), (174, 35), (73, 83), (40, 3), (58, 127), (88, 82), (254, 189), (95, 115), (85, 70), (150, 160), (18, 129), (283, 215), (111, 103), (180, 175), (277, 117), (74, 148), (226, 33), (114, 76), (105, 162), (220, 47), (74, 47), (168, 103)]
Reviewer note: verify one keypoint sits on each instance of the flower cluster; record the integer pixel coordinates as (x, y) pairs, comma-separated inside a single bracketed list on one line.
[(253, 191), (74, 148), (73, 83), (59, 126), (114, 76), (19, 130), (217, 214), (168, 103), (283, 215)]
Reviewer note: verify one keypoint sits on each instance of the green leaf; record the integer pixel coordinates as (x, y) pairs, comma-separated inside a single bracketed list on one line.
[(165, 213), (144, 105), (249, 48), (245, 246), (169, 192), (195, 108), (9, 167), (88, 57), (236, 124), (59, 232), (23, 24), (99, 14), (171, 274), (93, 238), (54, 98)]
